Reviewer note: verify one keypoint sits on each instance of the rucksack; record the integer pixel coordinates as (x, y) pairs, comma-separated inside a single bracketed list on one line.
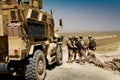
[(79, 45), (92, 44)]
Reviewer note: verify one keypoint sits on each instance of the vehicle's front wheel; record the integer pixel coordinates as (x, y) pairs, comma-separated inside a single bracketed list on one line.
[(59, 55), (35, 68)]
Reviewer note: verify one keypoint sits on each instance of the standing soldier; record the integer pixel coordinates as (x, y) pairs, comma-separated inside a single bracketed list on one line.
[(70, 49), (82, 48), (92, 43), (75, 45)]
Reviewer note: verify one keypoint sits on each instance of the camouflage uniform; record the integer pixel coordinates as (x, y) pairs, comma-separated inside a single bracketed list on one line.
[(92, 43), (75, 50), (70, 49), (82, 49)]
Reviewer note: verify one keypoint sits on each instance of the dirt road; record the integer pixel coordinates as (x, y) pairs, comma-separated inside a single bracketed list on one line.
[(76, 71)]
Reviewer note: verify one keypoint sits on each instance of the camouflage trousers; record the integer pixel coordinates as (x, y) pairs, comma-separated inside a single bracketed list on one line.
[(70, 55), (75, 51), (82, 53)]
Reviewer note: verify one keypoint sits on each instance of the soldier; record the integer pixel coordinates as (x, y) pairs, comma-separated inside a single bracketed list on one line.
[(70, 49), (75, 44), (80, 46), (82, 49), (92, 43)]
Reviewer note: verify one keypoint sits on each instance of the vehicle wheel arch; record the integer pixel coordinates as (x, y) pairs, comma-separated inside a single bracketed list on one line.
[(33, 48)]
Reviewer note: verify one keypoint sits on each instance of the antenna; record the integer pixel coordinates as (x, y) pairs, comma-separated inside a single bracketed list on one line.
[(40, 4), (51, 11)]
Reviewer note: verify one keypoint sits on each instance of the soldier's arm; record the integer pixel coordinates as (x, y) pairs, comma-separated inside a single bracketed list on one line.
[(82, 43), (69, 43)]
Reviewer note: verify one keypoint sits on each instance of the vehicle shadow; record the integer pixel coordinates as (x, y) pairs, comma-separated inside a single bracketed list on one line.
[(51, 67), (10, 77)]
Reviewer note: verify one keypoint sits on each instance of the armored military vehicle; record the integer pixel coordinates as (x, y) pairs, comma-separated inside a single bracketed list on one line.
[(28, 39)]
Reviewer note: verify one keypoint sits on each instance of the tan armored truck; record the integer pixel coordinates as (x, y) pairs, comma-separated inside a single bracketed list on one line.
[(27, 39)]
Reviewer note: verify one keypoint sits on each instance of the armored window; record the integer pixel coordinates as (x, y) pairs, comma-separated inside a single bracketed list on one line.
[(26, 1), (35, 29), (34, 14), (14, 16), (44, 17)]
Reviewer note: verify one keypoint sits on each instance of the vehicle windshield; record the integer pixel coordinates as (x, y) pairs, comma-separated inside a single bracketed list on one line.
[(35, 29), (26, 1)]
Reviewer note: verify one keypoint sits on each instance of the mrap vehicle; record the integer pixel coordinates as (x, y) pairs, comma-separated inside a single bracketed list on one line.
[(28, 40)]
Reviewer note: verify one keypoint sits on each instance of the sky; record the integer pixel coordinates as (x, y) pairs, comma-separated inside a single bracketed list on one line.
[(85, 15)]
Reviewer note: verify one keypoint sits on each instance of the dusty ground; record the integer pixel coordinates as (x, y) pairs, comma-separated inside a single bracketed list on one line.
[(75, 71)]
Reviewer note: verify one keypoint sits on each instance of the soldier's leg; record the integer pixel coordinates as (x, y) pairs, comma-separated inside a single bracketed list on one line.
[(75, 52), (86, 52), (70, 52), (79, 54), (68, 55), (83, 52), (71, 55)]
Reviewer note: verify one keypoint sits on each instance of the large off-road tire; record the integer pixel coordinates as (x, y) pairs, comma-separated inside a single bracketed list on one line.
[(59, 55), (36, 67)]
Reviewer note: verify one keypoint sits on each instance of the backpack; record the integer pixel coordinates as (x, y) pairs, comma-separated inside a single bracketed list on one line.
[(92, 44), (79, 45)]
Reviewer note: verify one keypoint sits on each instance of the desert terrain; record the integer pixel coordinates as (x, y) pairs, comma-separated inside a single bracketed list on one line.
[(108, 47), (106, 41)]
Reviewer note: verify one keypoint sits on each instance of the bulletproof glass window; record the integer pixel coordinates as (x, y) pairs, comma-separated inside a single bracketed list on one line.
[(26, 1), (35, 29), (34, 14), (44, 17), (13, 15)]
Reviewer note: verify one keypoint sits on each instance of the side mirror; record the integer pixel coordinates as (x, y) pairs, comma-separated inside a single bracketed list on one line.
[(61, 22)]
